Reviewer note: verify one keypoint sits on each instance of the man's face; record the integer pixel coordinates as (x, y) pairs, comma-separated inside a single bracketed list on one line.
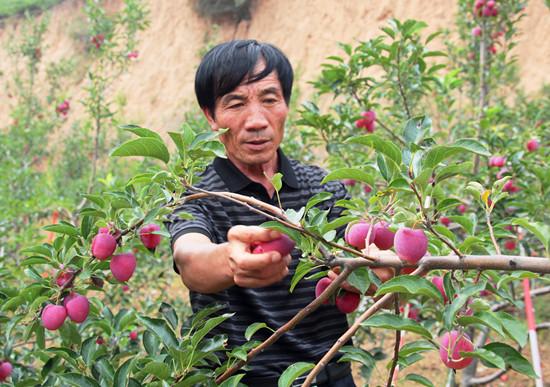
[(255, 115)]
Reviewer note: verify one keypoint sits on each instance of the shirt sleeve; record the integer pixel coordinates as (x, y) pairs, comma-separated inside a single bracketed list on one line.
[(178, 226)]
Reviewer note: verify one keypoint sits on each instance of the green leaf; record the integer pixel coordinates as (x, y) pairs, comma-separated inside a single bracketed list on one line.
[(317, 198), (416, 347), (139, 131), (208, 326), (277, 181), (79, 380), (512, 358), (395, 322), (514, 328), (540, 230), (303, 268), (253, 328), (453, 170), (416, 128), (349, 173), (160, 370), (144, 146), (39, 249), (161, 329), (410, 284), (63, 228), (292, 372), (379, 144), (451, 310), (419, 379), (360, 279), (121, 374), (490, 359), (359, 355), (438, 153), (232, 381), (489, 319)]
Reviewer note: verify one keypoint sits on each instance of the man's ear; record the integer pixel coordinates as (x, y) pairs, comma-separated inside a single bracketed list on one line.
[(210, 119)]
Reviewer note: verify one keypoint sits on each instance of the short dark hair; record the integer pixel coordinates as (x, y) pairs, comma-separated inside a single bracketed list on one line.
[(225, 66)]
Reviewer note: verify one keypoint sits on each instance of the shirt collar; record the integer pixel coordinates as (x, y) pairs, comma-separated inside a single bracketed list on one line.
[(235, 180)]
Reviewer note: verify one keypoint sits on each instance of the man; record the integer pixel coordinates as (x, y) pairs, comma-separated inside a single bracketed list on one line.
[(245, 86)]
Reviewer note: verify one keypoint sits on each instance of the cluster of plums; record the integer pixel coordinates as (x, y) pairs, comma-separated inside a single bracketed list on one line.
[(76, 306)]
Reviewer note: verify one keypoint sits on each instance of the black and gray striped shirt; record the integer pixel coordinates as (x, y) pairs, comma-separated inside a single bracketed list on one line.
[(274, 305)]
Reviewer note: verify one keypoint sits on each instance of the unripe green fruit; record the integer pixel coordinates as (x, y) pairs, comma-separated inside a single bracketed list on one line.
[(347, 302), (451, 344), (123, 266), (320, 287), (284, 245), (410, 244), (103, 246), (78, 308), (53, 316)]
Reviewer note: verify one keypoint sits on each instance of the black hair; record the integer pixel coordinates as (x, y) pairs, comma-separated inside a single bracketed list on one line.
[(224, 67)]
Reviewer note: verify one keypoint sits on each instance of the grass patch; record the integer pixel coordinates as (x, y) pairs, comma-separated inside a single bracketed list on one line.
[(15, 7)]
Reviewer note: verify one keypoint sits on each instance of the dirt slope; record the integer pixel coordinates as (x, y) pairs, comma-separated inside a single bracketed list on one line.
[(159, 86)]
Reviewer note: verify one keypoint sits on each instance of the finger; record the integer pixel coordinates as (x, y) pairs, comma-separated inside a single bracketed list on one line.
[(250, 234), (246, 261)]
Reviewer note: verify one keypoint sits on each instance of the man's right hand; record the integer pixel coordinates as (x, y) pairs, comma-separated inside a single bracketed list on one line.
[(254, 270)]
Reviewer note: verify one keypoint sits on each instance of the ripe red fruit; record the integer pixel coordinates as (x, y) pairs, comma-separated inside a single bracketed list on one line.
[(492, 49), (133, 335), (103, 246), (479, 4), (125, 288), (510, 187), (413, 314), (510, 244), (408, 270), (5, 370), (320, 287), (97, 40), (504, 377), (497, 161), (148, 239), (349, 182), (369, 115), (100, 341), (370, 126), (494, 12), (78, 308), (451, 344), (63, 277), (123, 266), (53, 316), (462, 208), (383, 236), (132, 54), (476, 31), (347, 302), (284, 245), (63, 108), (367, 189), (445, 221), (532, 145), (357, 233), (410, 244), (438, 282)]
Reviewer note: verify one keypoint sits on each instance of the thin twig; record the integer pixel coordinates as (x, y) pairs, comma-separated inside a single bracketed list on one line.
[(488, 220), (397, 345)]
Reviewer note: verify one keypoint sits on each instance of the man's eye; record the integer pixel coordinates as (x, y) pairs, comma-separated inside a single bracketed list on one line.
[(235, 106), (270, 100)]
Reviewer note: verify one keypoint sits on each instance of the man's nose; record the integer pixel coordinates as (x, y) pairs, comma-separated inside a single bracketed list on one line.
[(256, 117)]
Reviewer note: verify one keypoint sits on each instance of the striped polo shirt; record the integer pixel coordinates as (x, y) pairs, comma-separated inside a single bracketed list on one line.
[(273, 305)]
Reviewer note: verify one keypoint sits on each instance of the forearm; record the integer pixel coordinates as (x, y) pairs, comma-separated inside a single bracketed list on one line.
[(203, 265)]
